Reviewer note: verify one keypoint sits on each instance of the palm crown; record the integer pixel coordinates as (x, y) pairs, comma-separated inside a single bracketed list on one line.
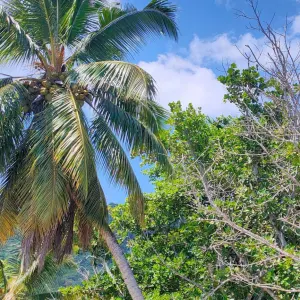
[(49, 149)]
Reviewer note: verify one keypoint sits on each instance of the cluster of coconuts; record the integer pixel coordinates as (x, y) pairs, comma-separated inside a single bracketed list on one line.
[(79, 92), (47, 89), (49, 86), (43, 90), (33, 89)]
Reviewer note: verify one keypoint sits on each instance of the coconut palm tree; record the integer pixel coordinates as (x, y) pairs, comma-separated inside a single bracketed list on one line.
[(49, 147), (30, 284)]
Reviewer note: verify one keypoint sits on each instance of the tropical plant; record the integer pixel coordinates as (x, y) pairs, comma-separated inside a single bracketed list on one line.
[(49, 148), (187, 248)]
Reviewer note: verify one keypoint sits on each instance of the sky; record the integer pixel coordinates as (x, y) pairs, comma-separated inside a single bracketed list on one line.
[(210, 35)]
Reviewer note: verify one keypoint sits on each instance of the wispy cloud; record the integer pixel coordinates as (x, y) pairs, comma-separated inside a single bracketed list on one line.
[(296, 24), (185, 78), (192, 77), (227, 3)]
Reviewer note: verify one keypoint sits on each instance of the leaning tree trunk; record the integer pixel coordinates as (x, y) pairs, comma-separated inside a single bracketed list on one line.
[(123, 265)]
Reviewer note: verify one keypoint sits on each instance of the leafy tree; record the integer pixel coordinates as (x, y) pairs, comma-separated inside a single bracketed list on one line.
[(188, 249), (226, 226), (48, 148)]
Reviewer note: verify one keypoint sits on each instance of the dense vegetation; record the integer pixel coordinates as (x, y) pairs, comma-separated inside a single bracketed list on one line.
[(223, 225), (50, 149), (226, 225)]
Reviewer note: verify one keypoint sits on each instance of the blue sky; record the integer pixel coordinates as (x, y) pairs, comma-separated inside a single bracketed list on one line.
[(188, 70)]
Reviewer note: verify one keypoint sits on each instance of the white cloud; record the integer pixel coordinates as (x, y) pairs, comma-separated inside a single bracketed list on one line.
[(179, 79), (224, 49), (191, 79), (227, 3), (296, 25)]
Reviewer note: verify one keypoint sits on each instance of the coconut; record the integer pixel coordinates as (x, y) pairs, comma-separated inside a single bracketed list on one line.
[(48, 97), (44, 91), (81, 97), (85, 92), (46, 83), (52, 89)]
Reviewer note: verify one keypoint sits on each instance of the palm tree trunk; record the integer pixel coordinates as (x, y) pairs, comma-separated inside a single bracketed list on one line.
[(118, 255)]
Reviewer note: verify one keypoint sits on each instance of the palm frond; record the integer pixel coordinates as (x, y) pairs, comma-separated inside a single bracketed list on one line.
[(39, 284), (3, 279), (115, 163), (127, 79), (165, 7), (146, 111), (32, 283), (35, 16), (11, 119), (95, 206), (80, 19), (15, 44), (73, 147), (110, 14), (137, 137), (49, 200), (5, 81), (126, 34), (10, 185)]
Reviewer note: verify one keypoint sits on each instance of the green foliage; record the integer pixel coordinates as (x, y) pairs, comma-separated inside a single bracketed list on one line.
[(236, 82), (186, 250), (125, 32), (12, 96), (48, 148)]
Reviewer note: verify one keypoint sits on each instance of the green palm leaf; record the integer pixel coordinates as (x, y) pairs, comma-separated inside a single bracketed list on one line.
[(33, 283), (73, 147), (94, 205), (137, 137), (110, 14), (3, 279), (146, 111), (165, 7), (36, 17), (80, 18), (127, 33), (126, 78), (15, 43), (115, 163), (11, 119), (41, 284), (48, 200), (10, 191)]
